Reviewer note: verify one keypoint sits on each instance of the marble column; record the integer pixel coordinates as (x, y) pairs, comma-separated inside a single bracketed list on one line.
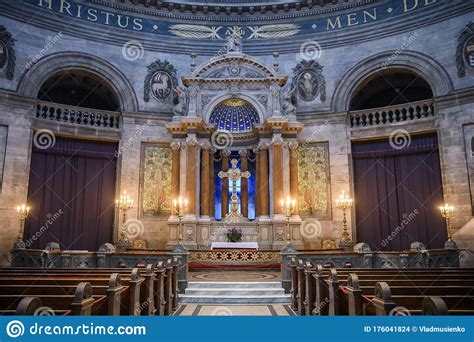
[(244, 191), (225, 184), (211, 182), (263, 182), (293, 149), (205, 181), (191, 174), (257, 181), (175, 171), (277, 178)]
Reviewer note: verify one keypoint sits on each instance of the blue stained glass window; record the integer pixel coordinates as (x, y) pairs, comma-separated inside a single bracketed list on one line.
[(234, 115)]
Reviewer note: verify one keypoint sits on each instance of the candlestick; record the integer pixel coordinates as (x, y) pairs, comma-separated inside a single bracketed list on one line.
[(124, 203), (23, 212), (344, 202), (180, 207), (288, 206), (447, 211)]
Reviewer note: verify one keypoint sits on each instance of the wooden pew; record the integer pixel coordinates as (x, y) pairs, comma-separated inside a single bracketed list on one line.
[(127, 285), (80, 303), (357, 294), (107, 298), (294, 284), (327, 291), (301, 293), (386, 304), (146, 307)]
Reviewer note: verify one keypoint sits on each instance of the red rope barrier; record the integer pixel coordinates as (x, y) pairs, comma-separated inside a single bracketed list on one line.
[(101, 299), (343, 289), (366, 299)]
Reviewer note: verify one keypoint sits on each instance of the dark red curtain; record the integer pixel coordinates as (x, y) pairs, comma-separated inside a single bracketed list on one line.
[(397, 193), (71, 193)]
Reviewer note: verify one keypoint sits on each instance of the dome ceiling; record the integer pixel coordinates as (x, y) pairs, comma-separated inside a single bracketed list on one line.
[(234, 115)]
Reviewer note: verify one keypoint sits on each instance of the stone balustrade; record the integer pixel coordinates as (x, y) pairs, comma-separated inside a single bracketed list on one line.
[(388, 115), (77, 115)]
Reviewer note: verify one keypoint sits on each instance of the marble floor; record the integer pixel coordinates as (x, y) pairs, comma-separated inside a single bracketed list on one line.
[(251, 276), (234, 310)]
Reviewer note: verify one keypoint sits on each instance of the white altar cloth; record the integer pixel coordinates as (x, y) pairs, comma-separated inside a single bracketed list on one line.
[(234, 245)]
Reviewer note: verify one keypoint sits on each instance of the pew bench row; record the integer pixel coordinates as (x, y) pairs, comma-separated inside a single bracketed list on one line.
[(321, 291), (150, 291)]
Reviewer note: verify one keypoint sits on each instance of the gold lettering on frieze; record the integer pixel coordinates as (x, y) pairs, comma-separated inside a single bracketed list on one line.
[(351, 19), (371, 15), (92, 14), (410, 5), (50, 5), (334, 25), (65, 6)]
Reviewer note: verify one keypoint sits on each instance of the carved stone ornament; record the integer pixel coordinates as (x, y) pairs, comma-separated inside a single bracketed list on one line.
[(288, 104), (182, 101), (7, 53), (465, 49), (308, 81), (160, 81)]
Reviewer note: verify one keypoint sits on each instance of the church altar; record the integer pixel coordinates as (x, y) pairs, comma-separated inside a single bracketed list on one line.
[(234, 245)]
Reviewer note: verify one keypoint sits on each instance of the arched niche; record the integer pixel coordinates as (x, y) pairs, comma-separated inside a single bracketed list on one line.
[(390, 87), (431, 71), (56, 63), (79, 88)]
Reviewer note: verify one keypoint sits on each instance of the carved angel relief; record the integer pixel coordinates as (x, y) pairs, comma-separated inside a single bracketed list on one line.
[(465, 49), (308, 81), (160, 81), (7, 53)]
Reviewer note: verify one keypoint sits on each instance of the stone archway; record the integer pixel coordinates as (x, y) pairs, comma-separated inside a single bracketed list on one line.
[(430, 70), (32, 80)]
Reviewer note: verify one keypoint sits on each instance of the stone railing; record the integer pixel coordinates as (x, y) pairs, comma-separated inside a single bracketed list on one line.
[(393, 114), (77, 115)]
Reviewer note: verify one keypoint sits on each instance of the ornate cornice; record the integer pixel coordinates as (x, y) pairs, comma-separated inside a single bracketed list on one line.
[(263, 11)]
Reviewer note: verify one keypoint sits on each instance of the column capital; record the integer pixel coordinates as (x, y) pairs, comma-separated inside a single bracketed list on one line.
[(263, 145), (205, 145), (243, 152), (292, 145), (277, 140), (226, 153), (178, 145), (191, 140)]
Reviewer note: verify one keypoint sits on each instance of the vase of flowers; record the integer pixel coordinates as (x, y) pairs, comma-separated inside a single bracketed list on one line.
[(234, 235)]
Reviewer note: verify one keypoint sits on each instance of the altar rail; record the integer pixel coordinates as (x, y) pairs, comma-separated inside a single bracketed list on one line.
[(393, 114), (106, 257), (365, 258), (77, 115)]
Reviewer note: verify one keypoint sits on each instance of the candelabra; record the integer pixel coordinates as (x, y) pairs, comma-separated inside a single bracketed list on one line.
[(180, 207), (23, 212), (447, 211), (288, 207), (124, 203), (344, 202)]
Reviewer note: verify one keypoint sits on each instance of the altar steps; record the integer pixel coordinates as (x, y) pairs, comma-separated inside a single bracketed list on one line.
[(234, 292)]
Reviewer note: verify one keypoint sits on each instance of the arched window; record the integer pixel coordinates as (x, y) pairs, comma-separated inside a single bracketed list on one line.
[(388, 88), (234, 115), (78, 88)]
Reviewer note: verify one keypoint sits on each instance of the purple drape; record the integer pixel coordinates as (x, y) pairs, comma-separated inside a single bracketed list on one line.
[(397, 194), (71, 193)]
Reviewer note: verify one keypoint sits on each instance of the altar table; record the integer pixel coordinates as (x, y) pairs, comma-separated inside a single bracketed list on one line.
[(234, 245)]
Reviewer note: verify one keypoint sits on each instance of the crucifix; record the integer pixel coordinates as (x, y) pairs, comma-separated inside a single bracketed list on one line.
[(234, 174)]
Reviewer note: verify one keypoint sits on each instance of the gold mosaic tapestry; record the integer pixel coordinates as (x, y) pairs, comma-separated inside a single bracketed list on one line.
[(156, 185), (313, 180)]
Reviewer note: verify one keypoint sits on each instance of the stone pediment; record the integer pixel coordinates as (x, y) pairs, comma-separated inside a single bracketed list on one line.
[(234, 66)]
